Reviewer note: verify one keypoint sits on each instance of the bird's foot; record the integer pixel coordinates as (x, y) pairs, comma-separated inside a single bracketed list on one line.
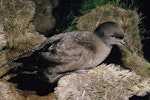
[(81, 71), (52, 78)]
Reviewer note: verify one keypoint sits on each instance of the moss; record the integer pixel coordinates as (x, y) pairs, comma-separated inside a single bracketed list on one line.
[(17, 14), (24, 41), (44, 20), (18, 28), (44, 23), (136, 63)]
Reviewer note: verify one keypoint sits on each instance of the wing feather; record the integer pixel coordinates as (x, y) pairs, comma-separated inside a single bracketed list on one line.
[(64, 48)]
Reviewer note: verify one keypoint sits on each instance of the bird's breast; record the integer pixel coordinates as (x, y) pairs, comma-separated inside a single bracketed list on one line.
[(102, 52)]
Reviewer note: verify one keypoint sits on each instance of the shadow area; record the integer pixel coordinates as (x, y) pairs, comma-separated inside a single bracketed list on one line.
[(114, 57), (36, 83), (140, 98), (31, 82)]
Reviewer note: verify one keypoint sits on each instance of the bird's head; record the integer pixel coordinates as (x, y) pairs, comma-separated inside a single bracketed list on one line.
[(112, 34)]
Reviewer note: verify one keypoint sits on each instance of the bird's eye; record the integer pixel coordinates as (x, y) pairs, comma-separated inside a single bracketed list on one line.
[(112, 35), (117, 36)]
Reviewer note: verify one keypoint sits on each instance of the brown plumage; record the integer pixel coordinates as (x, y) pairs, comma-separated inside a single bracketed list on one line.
[(72, 51)]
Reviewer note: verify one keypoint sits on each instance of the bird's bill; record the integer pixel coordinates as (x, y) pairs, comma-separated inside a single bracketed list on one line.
[(125, 44)]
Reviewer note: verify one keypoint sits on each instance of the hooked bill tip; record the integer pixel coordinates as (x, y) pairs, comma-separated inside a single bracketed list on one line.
[(127, 46)]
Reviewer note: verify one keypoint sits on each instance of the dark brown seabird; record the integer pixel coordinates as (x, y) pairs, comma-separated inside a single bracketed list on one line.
[(72, 51)]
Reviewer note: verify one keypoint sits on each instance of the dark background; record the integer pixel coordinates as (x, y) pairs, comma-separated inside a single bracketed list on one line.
[(145, 9)]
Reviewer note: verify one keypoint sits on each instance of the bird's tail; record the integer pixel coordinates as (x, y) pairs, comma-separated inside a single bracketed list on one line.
[(10, 71), (16, 58), (20, 69)]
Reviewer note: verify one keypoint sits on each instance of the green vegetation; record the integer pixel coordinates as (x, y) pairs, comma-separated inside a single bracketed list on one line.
[(88, 5), (69, 19)]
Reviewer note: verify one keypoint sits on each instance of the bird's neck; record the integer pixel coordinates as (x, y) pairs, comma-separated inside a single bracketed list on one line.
[(101, 43), (102, 51), (105, 42), (103, 39)]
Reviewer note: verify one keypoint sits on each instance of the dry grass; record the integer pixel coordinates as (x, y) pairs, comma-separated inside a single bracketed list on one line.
[(105, 82)]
